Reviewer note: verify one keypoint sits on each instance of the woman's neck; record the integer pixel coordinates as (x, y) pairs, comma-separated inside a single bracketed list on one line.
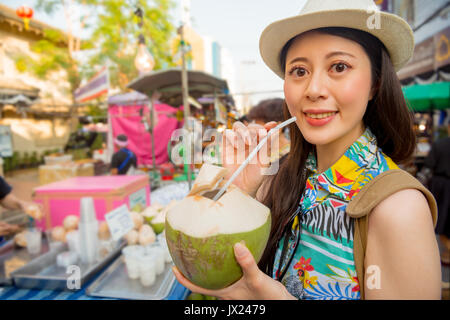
[(329, 154)]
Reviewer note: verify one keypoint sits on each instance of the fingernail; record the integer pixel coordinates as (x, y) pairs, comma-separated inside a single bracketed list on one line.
[(239, 249)]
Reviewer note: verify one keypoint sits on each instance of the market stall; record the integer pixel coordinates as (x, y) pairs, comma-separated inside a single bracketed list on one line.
[(166, 85), (47, 273), (428, 102), (127, 114)]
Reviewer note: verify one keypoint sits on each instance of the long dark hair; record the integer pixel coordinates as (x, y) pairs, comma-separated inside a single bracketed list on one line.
[(387, 116)]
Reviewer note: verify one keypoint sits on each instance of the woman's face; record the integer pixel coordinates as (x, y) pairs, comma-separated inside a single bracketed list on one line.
[(327, 87)]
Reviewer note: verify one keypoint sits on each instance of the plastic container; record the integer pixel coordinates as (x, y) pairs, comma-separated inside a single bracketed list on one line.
[(88, 232), (147, 269), (131, 255), (73, 241), (52, 244), (66, 259), (34, 240), (156, 250)]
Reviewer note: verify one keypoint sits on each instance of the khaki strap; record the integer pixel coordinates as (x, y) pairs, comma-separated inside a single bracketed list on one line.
[(368, 198)]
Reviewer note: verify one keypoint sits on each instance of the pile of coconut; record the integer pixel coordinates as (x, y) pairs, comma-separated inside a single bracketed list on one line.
[(148, 223)]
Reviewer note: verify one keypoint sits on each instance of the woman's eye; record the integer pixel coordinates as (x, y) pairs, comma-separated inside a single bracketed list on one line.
[(298, 72), (340, 67)]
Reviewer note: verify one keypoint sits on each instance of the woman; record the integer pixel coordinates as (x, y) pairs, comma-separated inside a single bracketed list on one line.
[(352, 125)]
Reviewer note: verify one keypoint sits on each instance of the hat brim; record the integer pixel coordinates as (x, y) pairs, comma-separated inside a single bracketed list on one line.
[(394, 33)]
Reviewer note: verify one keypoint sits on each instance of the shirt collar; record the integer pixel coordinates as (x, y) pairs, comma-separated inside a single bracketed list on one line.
[(340, 177)]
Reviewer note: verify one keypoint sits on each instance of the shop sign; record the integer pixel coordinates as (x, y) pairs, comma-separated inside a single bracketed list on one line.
[(119, 222), (6, 149), (442, 45), (138, 198)]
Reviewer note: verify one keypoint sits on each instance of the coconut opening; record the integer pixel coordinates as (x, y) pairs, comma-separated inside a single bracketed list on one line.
[(235, 212), (210, 194)]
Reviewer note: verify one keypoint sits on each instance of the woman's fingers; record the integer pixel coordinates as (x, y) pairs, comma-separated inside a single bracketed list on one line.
[(245, 259)]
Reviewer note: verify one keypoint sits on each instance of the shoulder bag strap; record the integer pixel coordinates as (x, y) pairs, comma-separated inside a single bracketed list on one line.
[(368, 198)]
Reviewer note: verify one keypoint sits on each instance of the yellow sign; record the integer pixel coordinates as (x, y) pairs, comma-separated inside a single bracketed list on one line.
[(442, 49)]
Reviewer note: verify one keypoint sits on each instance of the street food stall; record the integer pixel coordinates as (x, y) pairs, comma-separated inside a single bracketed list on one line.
[(166, 86), (427, 101), (83, 215), (116, 219)]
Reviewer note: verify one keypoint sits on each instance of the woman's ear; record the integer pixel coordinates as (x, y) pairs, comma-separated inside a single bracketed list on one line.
[(374, 91)]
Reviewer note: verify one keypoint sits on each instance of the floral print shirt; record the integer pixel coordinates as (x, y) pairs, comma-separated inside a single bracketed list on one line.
[(323, 264)]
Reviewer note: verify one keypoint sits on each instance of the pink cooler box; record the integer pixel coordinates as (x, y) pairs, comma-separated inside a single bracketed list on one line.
[(62, 198)]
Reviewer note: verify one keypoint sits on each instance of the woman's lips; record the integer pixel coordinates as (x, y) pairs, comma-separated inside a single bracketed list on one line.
[(317, 118)]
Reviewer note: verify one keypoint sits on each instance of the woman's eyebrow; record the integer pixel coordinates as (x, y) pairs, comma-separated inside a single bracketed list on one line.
[(328, 56), (338, 53)]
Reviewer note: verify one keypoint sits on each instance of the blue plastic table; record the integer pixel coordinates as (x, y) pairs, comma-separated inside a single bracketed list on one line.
[(178, 292)]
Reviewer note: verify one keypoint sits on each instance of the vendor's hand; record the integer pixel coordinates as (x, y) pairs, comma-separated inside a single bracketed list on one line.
[(254, 284), (7, 229), (237, 144), (34, 210)]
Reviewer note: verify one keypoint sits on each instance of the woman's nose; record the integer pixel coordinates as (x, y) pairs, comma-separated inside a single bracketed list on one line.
[(316, 88)]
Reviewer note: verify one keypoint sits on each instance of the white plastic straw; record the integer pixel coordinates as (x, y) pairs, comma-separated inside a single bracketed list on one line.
[(252, 154)]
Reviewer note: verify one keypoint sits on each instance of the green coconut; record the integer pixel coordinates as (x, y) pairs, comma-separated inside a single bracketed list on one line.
[(158, 223), (201, 233)]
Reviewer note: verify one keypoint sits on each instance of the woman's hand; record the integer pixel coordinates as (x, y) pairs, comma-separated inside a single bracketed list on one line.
[(254, 284), (34, 210), (237, 144), (7, 229)]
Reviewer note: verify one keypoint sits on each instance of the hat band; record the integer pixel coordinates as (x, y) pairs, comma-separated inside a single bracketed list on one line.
[(120, 143)]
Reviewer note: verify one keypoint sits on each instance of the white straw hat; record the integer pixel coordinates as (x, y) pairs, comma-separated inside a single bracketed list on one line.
[(390, 29)]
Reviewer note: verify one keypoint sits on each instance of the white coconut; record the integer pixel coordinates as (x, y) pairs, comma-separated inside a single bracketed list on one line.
[(138, 219), (71, 222), (59, 234), (132, 237), (146, 235), (103, 231), (20, 239)]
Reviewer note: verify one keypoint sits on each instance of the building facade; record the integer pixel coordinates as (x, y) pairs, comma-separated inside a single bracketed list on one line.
[(430, 22), (36, 110)]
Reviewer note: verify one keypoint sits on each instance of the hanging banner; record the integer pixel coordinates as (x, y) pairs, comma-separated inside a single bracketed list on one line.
[(96, 86)]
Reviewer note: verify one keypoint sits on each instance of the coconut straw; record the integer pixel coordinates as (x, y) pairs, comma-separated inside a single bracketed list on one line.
[(252, 155)]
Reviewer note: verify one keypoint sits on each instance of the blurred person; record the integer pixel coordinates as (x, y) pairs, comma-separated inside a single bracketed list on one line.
[(438, 164), (9, 201), (267, 111), (352, 127), (244, 119), (123, 159)]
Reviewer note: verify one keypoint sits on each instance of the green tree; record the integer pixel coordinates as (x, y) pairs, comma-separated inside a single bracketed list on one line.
[(116, 35), (53, 56), (113, 34)]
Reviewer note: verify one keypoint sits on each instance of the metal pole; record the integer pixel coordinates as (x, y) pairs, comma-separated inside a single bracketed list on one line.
[(187, 113), (152, 136)]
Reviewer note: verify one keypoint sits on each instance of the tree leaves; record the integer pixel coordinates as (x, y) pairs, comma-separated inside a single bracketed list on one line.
[(113, 30)]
